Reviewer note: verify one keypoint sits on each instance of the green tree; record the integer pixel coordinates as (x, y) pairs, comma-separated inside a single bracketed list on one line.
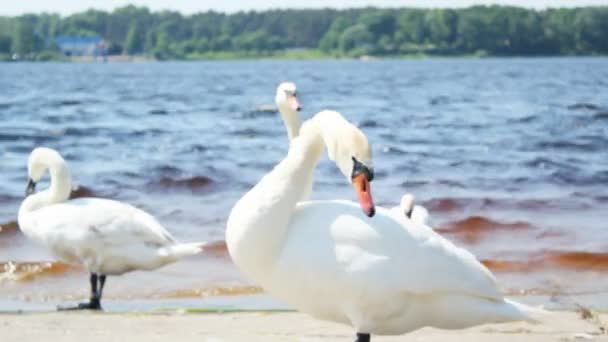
[(379, 23), (442, 26), (331, 39), (114, 48), (5, 44), (24, 39), (411, 27), (134, 42), (356, 37), (592, 30), (493, 30), (161, 49)]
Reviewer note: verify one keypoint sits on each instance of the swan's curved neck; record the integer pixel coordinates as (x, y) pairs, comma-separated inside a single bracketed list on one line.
[(258, 224), (291, 119), (58, 191), (292, 122)]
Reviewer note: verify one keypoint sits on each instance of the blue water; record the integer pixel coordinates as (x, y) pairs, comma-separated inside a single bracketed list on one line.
[(503, 141)]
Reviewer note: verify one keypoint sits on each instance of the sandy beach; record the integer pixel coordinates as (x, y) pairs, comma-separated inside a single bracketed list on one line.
[(268, 327)]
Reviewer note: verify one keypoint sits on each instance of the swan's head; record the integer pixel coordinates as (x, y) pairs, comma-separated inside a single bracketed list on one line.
[(286, 98), (349, 148), (41, 159), (407, 204)]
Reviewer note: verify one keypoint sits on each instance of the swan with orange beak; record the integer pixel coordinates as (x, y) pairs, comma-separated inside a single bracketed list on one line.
[(353, 263), (361, 178)]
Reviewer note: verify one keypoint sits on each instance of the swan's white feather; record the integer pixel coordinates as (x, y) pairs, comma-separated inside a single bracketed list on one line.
[(107, 236), (420, 215), (335, 238), (383, 274)]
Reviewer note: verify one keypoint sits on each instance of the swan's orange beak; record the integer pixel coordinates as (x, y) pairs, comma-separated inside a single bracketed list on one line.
[(294, 103), (364, 192)]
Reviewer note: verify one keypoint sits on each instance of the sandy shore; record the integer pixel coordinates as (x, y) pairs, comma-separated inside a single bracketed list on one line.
[(269, 327)]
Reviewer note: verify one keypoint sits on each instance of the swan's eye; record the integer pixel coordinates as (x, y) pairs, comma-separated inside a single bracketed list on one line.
[(359, 168), (31, 187), (370, 174)]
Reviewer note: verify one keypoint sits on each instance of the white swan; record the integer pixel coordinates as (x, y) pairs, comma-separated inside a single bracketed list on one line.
[(106, 237), (287, 102), (416, 213), (381, 275)]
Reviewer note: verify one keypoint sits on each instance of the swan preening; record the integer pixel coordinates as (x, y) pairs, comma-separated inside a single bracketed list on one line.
[(106, 237), (289, 106), (416, 213), (353, 263)]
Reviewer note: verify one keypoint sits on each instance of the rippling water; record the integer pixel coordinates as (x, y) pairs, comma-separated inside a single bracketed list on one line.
[(509, 155)]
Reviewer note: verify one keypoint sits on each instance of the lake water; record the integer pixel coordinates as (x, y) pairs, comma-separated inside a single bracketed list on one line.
[(510, 156)]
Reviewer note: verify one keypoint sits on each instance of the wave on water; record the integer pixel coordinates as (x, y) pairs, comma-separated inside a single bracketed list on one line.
[(587, 261), (543, 162), (579, 178), (82, 191), (248, 132), (194, 183), (439, 100), (211, 292), (261, 111), (475, 228), (66, 103), (565, 260), (524, 119), (456, 204), (158, 111), (566, 145), (30, 271), (169, 177), (9, 199), (443, 205), (367, 123), (9, 228), (602, 115), (583, 106)]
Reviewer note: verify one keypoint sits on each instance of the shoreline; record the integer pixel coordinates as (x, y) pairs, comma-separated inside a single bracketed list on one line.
[(268, 327), (286, 57)]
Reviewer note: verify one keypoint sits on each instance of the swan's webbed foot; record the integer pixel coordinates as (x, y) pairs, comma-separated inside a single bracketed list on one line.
[(93, 304), (363, 337), (96, 292)]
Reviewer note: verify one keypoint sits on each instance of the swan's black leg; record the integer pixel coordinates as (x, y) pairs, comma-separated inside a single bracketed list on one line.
[(93, 281), (102, 283), (94, 303), (363, 337)]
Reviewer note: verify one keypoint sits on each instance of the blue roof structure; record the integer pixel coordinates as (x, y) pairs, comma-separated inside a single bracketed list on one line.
[(59, 40)]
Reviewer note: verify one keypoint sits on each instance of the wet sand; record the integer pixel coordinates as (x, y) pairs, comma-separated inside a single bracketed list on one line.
[(268, 327)]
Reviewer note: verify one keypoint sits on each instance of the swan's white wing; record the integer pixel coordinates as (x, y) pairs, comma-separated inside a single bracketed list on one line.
[(420, 215), (93, 221), (397, 210), (334, 242)]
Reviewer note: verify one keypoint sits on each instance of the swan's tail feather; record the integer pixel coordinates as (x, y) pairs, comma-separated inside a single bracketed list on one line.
[(530, 314), (182, 250)]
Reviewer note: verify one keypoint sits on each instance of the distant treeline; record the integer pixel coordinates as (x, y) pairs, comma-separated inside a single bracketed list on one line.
[(482, 30)]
